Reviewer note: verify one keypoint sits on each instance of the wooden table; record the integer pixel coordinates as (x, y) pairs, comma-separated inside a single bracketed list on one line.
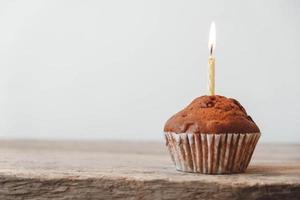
[(137, 170)]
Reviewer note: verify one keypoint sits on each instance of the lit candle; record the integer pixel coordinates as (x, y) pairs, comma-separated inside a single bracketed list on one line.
[(211, 59)]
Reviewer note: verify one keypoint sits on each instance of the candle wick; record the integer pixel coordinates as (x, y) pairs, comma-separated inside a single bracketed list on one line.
[(211, 50)]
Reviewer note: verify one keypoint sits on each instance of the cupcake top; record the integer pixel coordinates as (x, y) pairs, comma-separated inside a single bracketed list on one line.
[(212, 114)]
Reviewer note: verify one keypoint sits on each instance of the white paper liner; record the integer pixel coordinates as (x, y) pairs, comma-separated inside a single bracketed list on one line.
[(211, 153)]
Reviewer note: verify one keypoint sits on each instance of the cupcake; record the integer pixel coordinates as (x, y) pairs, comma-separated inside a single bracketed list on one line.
[(212, 135)]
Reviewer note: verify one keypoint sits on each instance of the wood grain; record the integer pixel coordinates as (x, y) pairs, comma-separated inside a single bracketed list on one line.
[(137, 170)]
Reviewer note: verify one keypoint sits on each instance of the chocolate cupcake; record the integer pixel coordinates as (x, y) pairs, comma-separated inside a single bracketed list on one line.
[(212, 135)]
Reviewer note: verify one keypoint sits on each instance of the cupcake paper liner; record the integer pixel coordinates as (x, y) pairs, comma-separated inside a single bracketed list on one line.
[(211, 153)]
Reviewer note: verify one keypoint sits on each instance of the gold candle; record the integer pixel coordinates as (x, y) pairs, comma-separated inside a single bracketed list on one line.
[(211, 75), (211, 59)]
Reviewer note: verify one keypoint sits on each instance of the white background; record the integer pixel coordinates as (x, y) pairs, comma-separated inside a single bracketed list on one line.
[(119, 69)]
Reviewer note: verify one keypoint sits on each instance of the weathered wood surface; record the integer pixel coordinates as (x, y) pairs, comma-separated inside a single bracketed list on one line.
[(130, 170)]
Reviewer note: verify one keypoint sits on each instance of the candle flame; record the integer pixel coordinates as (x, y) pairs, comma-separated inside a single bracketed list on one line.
[(212, 38)]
